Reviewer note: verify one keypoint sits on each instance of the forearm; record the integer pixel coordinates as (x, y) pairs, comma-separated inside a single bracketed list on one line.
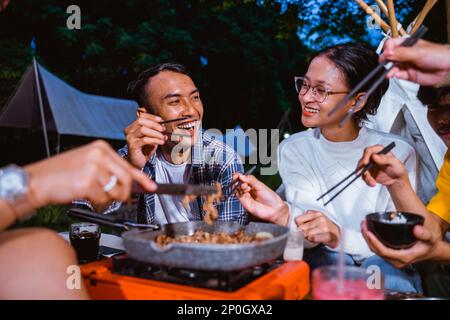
[(7, 216), (442, 252), (405, 199), (10, 213), (283, 216)]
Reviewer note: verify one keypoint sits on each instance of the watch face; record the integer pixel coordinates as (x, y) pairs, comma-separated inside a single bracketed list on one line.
[(13, 182)]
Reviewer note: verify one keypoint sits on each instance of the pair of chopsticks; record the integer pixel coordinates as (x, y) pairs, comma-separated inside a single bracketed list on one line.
[(170, 121), (363, 170), (385, 67), (176, 120)]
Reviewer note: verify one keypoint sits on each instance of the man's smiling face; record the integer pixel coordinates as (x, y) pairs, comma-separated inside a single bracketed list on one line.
[(172, 95)]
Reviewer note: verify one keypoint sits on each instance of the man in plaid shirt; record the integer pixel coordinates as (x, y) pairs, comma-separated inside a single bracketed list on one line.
[(176, 152)]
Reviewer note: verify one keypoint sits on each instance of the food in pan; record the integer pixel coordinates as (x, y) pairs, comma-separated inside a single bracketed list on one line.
[(208, 203), (187, 199), (238, 237)]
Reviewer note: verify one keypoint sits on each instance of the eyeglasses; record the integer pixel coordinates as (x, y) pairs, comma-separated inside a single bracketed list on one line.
[(319, 92)]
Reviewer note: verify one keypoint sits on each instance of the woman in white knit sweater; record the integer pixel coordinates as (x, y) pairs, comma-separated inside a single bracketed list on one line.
[(311, 162)]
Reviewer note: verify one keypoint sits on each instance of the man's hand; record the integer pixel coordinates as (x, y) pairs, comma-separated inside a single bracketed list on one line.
[(260, 200), (143, 137), (428, 246), (317, 228), (82, 173), (425, 63), (387, 171)]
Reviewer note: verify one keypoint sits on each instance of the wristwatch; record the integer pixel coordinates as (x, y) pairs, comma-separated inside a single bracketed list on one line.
[(14, 188), (13, 183)]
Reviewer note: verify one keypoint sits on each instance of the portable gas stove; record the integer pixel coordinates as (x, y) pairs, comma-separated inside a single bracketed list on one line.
[(121, 277)]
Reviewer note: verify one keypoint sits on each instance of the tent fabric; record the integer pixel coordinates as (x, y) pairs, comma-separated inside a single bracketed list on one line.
[(401, 113), (68, 111)]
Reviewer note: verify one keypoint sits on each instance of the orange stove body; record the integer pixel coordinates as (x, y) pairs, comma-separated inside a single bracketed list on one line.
[(288, 281)]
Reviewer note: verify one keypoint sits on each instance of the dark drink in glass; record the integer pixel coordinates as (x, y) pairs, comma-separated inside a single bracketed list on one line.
[(85, 238)]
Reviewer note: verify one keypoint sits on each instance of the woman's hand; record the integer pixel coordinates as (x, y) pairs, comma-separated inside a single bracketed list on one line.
[(261, 201), (388, 169), (317, 228)]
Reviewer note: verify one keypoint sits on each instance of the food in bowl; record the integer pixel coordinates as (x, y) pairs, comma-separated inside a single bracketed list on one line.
[(394, 229)]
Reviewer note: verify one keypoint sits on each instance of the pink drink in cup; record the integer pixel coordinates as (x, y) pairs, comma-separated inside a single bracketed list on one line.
[(326, 285)]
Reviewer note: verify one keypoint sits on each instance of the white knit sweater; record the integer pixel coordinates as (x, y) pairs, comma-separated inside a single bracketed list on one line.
[(310, 165)]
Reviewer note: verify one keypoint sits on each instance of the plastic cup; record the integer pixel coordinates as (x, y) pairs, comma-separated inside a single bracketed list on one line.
[(357, 284), (294, 246)]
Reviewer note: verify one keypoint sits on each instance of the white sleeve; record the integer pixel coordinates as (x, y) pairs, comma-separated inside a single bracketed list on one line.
[(300, 188), (300, 183)]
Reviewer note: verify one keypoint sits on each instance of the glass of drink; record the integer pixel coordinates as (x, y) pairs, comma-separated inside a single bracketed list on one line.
[(294, 246), (85, 238), (351, 283)]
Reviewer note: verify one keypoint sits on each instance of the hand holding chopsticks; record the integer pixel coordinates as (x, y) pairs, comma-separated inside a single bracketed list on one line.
[(381, 70), (141, 110), (361, 171), (237, 184)]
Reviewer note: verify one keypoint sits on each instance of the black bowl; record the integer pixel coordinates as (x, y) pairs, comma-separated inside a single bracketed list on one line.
[(396, 235)]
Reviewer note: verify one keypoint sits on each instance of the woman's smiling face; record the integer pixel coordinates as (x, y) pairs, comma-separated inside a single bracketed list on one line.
[(322, 72)]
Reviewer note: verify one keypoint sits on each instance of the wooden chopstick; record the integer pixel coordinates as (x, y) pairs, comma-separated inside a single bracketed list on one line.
[(423, 14), (385, 66), (383, 8), (367, 167), (392, 19)]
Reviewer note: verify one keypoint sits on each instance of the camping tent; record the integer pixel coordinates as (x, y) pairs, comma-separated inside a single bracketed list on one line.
[(53, 105)]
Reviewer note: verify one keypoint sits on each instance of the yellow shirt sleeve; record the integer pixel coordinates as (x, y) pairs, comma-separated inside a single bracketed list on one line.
[(440, 203)]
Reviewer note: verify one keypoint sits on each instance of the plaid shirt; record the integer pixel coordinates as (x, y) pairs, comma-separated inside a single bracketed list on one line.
[(211, 161)]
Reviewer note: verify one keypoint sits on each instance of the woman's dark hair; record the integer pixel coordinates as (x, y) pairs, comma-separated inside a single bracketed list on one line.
[(136, 88), (431, 96), (355, 61)]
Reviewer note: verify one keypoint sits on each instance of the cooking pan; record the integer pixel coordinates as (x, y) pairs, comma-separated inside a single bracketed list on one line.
[(140, 243)]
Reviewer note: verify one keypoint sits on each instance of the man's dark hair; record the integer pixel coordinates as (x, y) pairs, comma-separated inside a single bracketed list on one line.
[(431, 96), (136, 88), (355, 61)]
